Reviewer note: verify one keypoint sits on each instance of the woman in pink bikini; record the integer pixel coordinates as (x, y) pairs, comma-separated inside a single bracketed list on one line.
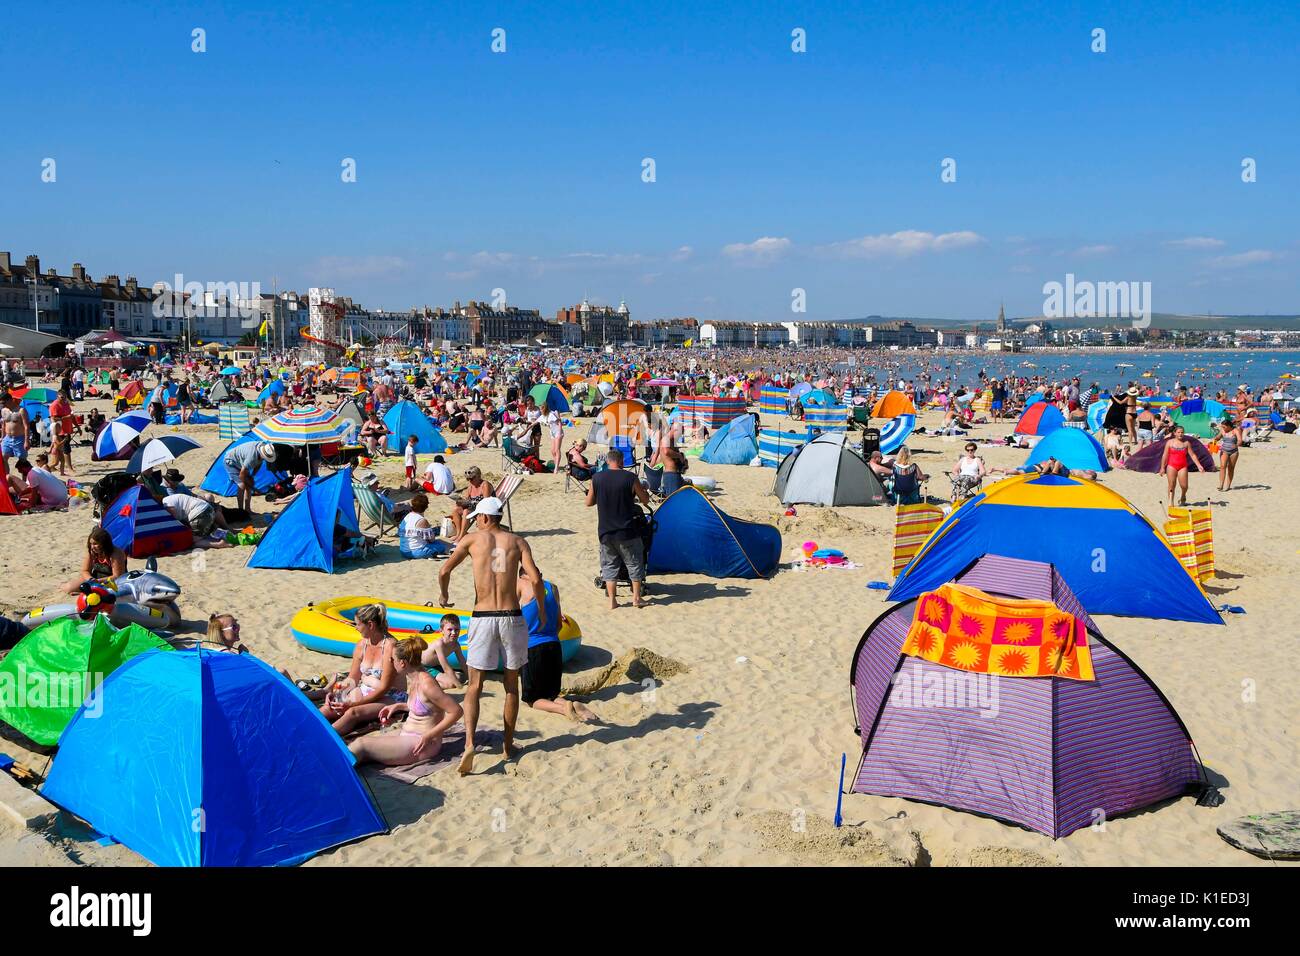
[(430, 713)]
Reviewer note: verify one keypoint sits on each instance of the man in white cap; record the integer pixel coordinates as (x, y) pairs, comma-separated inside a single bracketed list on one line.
[(497, 629), (242, 463)]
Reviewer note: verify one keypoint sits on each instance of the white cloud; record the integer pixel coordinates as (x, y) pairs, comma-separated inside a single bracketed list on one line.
[(765, 249), (1196, 242), (682, 254), (1253, 257), (336, 268), (1094, 250), (904, 244)]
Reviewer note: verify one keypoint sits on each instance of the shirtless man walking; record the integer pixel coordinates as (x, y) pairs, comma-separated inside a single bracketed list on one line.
[(497, 628), (14, 440)]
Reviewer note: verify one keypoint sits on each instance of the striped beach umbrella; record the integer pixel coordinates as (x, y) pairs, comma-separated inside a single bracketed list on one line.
[(304, 426), (119, 433), (896, 431)]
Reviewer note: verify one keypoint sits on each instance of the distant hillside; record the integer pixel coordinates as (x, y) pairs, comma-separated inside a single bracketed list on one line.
[(1159, 320)]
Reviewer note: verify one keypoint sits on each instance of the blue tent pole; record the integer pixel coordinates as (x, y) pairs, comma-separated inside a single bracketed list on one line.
[(839, 797)]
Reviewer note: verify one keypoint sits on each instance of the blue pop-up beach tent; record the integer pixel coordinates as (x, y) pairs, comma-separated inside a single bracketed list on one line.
[(735, 443), (1113, 559), (302, 538), (693, 536), (219, 483), (404, 420), (273, 389), (203, 758), (1072, 447)]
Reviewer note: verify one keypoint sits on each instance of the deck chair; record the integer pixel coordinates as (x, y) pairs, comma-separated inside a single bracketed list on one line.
[(505, 491), (374, 509)]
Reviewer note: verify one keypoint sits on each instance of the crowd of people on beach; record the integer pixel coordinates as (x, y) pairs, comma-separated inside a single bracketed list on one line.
[(430, 683)]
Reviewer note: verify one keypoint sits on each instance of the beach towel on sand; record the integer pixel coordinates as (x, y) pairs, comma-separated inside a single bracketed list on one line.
[(453, 745), (967, 629)]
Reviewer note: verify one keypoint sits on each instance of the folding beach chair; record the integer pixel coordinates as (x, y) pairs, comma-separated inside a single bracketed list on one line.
[(628, 447), (374, 509), (512, 457), (571, 478), (505, 491)]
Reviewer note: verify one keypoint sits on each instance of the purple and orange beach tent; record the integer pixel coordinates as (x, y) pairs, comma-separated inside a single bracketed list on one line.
[(1051, 754)]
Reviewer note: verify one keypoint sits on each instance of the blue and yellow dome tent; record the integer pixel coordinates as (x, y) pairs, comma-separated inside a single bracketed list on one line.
[(692, 536), (174, 740), (404, 420), (1113, 559)]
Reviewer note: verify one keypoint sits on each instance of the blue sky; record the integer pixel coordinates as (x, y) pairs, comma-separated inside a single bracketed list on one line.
[(774, 170)]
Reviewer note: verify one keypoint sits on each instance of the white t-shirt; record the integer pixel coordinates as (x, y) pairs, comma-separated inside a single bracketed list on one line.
[(53, 490), (185, 507), (410, 456), (440, 477), (553, 422)]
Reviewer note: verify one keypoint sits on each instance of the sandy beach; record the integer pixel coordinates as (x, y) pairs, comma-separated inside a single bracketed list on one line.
[(732, 757)]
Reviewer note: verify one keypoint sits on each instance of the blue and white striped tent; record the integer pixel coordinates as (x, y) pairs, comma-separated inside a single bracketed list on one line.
[(774, 445)]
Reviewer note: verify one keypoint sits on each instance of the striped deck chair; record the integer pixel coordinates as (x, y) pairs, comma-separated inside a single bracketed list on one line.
[(912, 527), (374, 509), (505, 491), (1190, 534)]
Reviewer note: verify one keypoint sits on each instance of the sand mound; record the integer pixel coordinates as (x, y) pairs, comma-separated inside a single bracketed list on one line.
[(820, 523), (635, 666), (1003, 856), (820, 841)]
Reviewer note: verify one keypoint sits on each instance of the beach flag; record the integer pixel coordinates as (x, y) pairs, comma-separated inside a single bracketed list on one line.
[(1190, 534), (264, 328), (912, 527), (232, 421)]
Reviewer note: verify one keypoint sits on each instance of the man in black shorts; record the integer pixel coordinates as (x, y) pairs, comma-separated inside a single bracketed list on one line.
[(614, 493)]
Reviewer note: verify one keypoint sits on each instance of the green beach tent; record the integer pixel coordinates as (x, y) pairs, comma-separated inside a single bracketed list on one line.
[(48, 674), (1194, 423)]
